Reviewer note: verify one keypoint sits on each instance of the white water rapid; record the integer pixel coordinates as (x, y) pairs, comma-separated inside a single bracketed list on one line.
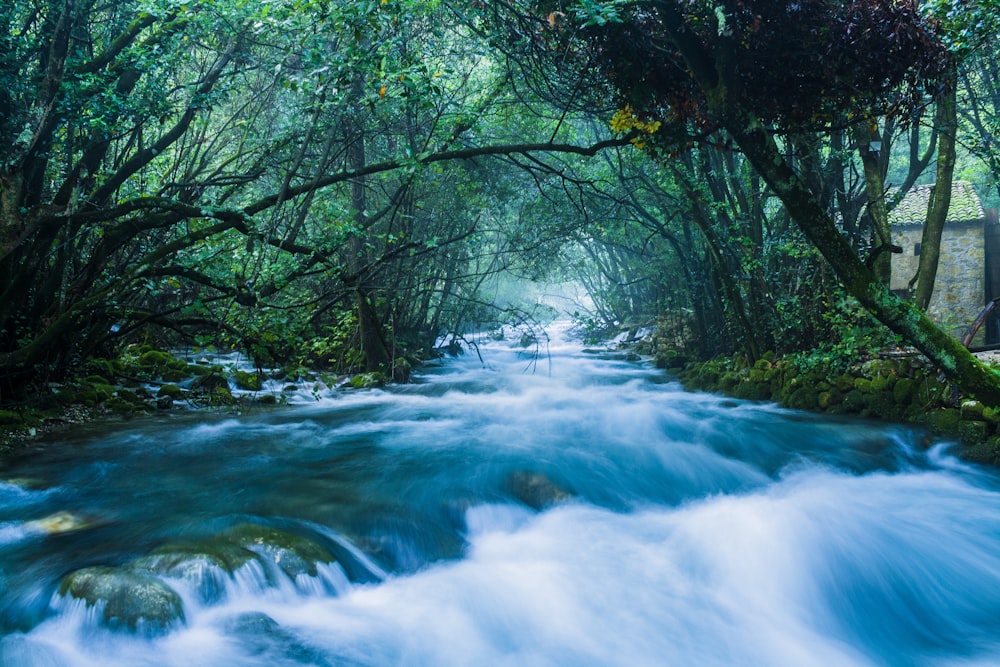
[(560, 510)]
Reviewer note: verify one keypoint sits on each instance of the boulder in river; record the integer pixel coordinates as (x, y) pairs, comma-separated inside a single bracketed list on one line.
[(205, 566), (292, 554), (535, 489), (131, 600)]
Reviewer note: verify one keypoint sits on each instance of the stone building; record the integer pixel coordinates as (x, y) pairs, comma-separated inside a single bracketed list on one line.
[(961, 288)]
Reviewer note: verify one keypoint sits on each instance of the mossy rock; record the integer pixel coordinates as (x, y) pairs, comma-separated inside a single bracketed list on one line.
[(903, 390), (367, 380), (728, 381), (930, 391), (212, 381), (992, 415), (753, 391), (247, 381), (972, 411), (757, 375), (174, 374), (854, 402), (864, 385), (803, 398), (195, 370), (10, 418), (972, 432), (881, 384), (986, 452), (221, 396), (121, 407), (96, 379), (882, 406), (845, 383), (155, 359), (205, 565), (171, 390), (944, 420), (292, 554), (829, 399), (133, 397), (133, 600), (267, 399)]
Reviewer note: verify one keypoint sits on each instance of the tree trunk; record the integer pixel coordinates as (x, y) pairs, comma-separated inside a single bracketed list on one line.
[(937, 211), (860, 281)]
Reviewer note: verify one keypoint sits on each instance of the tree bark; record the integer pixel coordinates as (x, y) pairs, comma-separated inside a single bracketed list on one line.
[(937, 211)]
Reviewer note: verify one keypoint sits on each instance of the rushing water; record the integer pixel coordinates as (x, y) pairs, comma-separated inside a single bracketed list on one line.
[(573, 509)]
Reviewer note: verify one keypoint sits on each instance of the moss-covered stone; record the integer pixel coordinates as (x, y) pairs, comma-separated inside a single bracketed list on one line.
[(247, 381), (292, 554), (864, 385), (803, 398), (171, 390), (986, 452), (829, 399), (942, 420), (972, 432), (154, 359), (367, 380), (972, 410), (903, 391), (10, 418), (132, 600)]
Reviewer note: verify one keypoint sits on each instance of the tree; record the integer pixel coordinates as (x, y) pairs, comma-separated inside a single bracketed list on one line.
[(755, 74)]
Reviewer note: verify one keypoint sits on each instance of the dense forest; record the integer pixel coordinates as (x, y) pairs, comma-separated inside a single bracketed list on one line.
[(343, 184)]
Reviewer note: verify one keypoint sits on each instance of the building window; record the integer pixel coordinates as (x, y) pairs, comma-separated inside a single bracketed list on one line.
[(916, 250)]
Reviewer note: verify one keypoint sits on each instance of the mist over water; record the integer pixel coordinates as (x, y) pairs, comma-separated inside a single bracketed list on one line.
[(564, 508)]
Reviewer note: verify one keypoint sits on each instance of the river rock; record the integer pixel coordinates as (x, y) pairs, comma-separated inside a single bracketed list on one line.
[(292, 554), (133, 601), (60, 522), (535, 489), (260, 635), (205, 566)]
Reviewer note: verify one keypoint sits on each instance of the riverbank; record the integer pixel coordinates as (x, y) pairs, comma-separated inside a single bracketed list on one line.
[(145, 380), (897, 386)]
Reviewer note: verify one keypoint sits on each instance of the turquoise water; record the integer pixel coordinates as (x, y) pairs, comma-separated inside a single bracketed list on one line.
[(569, 508)]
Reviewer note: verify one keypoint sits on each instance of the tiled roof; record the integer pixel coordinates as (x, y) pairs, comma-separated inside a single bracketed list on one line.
[(965, 205)]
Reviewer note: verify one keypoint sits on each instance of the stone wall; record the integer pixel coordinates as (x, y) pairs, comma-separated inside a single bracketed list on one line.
[(960, 286)]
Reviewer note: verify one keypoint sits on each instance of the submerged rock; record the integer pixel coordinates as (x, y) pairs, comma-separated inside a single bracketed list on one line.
[(60, 522), (131, 600), (261, 635), (535, 489)]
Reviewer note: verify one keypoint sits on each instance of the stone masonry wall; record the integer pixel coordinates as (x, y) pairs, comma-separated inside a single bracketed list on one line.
[(960, 285)]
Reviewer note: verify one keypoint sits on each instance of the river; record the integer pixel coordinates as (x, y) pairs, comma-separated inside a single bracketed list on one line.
[(564, 508)]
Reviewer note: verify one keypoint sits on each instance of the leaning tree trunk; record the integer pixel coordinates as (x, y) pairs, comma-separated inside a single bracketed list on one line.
[(860, 282)]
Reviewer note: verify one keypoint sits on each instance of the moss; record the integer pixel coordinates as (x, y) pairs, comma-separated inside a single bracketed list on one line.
[(829, 399), (972, 410), (171, 390), (943, 420), (247, 381), (986, 452), (221, 396), (803, 398), (903, 390), (10, 418), (864, 385), (854, 402), (972, 432), (155, 359), (367, 380)]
